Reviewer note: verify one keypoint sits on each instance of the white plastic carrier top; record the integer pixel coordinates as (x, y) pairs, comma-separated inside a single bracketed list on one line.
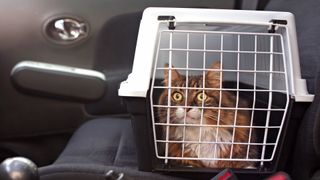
[(156, 20)]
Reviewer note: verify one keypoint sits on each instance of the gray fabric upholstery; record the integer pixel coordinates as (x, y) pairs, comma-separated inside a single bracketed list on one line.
[(95, 148), (95, 172), (105, 141), (308, 24)]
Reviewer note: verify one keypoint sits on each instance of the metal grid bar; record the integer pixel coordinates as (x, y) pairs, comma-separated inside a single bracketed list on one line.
[(151, 99), (203, 85), (269, 102), (211, 142), (222, 89), (223, 108), (220, 95), (186, 92), (217, 51), (224, 70), (284, 60), (208, 159), (220, 125), (220, 32), (254, 95), (237, 100), (169, 100)]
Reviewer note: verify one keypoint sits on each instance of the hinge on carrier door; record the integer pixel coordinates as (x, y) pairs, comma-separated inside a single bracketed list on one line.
[(273, 27), (170, 19)]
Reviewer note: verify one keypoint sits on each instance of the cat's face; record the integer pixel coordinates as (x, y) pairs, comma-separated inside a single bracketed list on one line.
[(190, 101)]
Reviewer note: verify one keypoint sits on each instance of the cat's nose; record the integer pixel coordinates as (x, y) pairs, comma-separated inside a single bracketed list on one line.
[(194, 113)]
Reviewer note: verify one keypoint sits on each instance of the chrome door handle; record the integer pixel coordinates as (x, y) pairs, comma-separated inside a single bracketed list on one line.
[(69, 29)]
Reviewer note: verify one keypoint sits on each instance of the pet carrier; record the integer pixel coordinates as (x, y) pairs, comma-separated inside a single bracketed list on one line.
[(211, 89)]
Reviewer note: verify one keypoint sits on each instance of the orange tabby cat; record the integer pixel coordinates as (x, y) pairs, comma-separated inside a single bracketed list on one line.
[(210, 98)]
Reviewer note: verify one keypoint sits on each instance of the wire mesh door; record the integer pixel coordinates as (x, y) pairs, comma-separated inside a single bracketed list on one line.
[(218, 99)]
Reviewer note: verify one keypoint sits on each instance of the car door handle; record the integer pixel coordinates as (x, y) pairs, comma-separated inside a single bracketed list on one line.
[(58, 81)]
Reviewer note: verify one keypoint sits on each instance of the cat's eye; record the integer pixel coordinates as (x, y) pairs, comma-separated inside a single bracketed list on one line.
[(202, 96), (177, 97)]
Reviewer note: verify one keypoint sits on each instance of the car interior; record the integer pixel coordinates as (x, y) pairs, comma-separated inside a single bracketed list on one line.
[(61, 66)]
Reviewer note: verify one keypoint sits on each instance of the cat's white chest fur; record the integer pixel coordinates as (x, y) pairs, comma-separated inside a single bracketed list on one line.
[(208, 134)]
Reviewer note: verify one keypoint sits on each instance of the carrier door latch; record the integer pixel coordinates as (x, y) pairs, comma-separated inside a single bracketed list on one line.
[(170, 20), (273, 27)]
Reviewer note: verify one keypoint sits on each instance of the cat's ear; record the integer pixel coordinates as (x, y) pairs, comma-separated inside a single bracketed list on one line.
[(212, 76), (174, 75)]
